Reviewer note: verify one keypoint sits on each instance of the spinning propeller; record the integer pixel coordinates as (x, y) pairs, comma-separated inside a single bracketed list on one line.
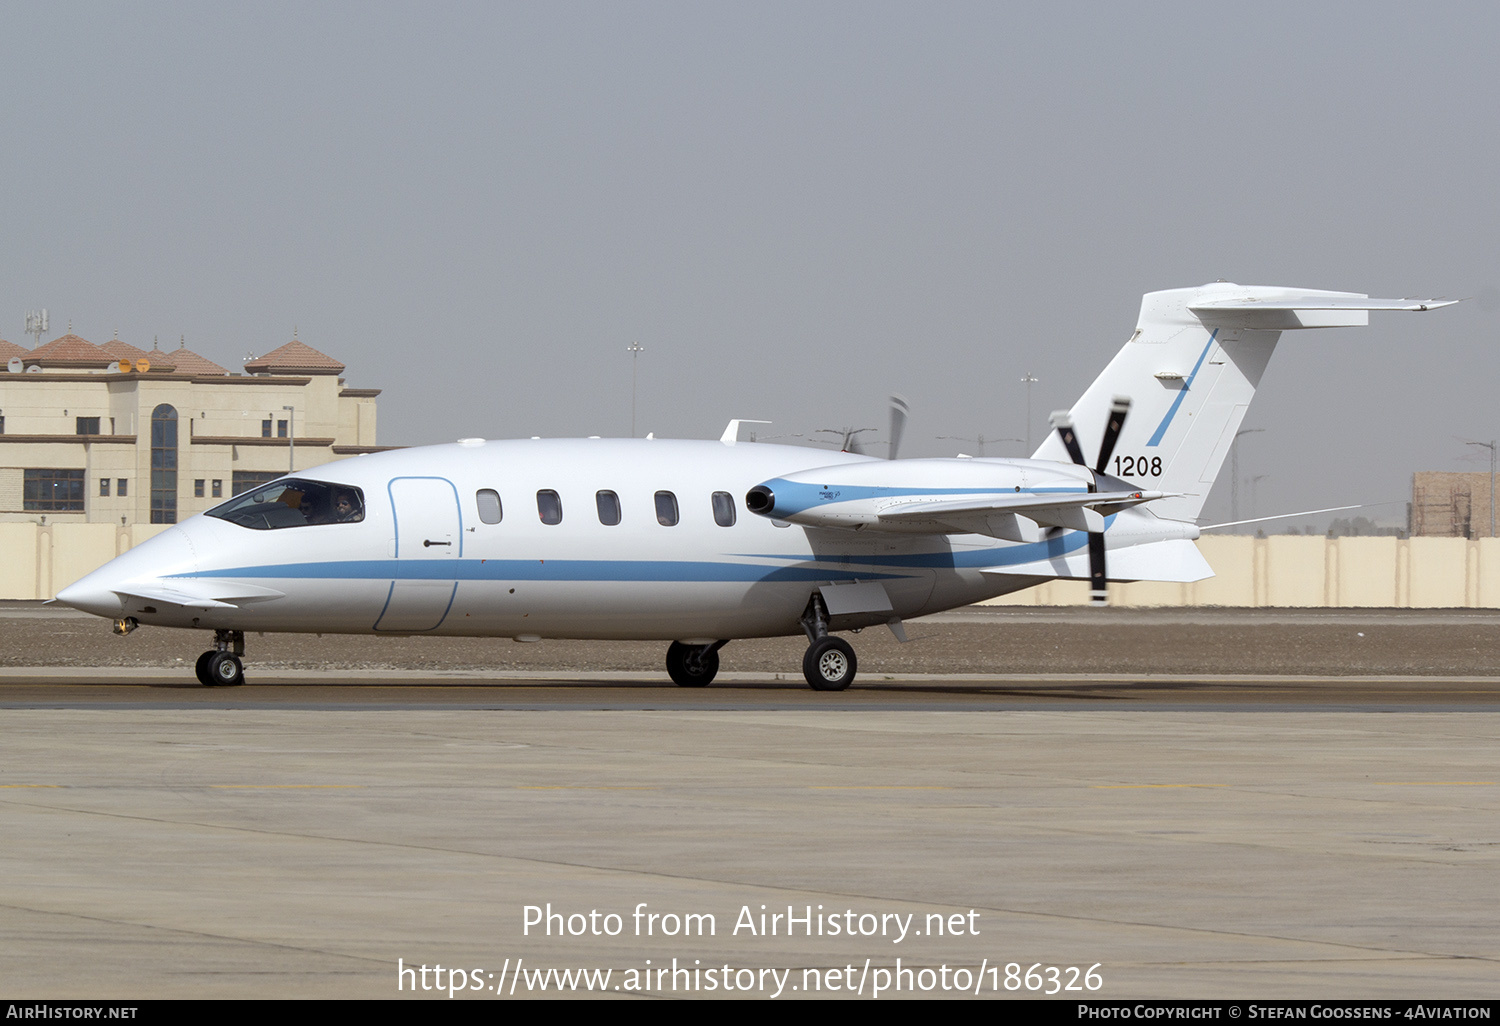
[(1064, 424), (899, 411)]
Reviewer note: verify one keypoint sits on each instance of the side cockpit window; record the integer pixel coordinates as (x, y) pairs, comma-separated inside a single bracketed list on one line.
[(293, 503)]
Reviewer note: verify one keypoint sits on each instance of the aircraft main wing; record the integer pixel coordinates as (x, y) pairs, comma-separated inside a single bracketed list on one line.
[(995, 514)]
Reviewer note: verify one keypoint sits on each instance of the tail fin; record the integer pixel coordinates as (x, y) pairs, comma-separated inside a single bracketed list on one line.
[(1190, 371)]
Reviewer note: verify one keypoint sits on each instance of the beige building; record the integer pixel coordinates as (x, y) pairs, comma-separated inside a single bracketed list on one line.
[(115, 434), (1450, 505)]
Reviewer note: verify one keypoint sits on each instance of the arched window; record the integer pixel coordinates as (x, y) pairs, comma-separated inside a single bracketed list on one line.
[(164, 465)]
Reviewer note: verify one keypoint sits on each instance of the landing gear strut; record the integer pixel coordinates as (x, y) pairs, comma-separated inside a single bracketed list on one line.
[(829, 663), (220, 666), (693, 666)]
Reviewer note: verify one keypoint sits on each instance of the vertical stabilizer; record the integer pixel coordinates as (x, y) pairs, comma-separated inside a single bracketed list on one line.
[(1190, 371)]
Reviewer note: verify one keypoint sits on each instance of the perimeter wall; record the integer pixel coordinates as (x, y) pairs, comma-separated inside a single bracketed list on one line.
[(1282, 570)]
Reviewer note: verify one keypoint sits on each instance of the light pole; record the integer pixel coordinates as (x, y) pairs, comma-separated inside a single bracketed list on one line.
[(635, 349), (1028, 381), (1234, 472), (291, 438), (1491, 447)]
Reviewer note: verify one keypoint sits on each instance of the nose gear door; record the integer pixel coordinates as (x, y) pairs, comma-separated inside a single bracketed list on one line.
[(428, 543)]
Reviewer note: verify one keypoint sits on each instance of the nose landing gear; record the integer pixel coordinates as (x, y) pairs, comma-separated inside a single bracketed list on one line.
[(221, 666)]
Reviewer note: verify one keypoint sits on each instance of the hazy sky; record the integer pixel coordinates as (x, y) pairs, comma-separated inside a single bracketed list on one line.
[(796, 208)]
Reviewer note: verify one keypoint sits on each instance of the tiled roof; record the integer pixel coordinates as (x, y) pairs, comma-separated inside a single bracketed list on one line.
[(10, 349), (123, 350), (69, 350), (160, 359), (295, 358), (189, 362)]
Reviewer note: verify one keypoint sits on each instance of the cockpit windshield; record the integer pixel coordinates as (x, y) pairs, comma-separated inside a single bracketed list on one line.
[(291, 502)]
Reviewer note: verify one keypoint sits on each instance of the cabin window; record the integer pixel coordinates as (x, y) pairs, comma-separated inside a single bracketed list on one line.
[(549, 506), (666, 509), (723, 509), (488, 501), (294, 503), (609, 508)]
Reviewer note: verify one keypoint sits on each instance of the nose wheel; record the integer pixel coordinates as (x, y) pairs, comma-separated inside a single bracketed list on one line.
[(221, 666)]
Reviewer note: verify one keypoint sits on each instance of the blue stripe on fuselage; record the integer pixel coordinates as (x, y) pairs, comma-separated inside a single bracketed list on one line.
[(814, 568)]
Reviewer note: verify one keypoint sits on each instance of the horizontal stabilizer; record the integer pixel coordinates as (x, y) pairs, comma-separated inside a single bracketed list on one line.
[(1173, 561), (1272, 309)]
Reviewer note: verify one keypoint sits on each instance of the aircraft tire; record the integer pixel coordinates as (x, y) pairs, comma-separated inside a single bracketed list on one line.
[(226, 670), (691, 667), (201, 669), (829, 664)]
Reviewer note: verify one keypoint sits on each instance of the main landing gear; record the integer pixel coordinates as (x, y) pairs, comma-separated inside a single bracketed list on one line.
[(220, 666), (693, 666), (829, 663)]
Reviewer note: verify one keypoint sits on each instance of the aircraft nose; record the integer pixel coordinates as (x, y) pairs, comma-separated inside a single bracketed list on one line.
[(167, 553), (91, 595)]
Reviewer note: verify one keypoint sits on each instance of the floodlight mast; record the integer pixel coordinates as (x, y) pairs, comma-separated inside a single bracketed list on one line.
[(1491, 446)]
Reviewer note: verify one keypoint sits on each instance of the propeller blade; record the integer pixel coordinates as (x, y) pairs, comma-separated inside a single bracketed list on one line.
[(1098, 590), (1117, 411), (899, 411), (1064, 424)]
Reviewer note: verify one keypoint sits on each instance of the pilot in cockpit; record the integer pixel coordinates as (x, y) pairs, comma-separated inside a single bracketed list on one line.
[(346, 510)]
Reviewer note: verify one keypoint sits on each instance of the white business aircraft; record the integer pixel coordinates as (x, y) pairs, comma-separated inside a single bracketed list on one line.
[(650, 538)]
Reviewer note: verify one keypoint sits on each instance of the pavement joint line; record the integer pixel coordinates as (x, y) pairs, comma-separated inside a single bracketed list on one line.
[(263, 676)]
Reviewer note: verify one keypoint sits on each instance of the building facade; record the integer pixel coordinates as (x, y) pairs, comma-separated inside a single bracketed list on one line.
[(1451, 505), (116, 434)]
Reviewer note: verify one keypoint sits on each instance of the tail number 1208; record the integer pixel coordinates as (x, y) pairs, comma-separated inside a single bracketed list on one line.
[(1137, 466)]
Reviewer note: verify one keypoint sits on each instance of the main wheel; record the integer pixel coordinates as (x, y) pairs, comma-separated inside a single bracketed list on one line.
[(226, 670), (201, 669), (829, 664), (692, 666)]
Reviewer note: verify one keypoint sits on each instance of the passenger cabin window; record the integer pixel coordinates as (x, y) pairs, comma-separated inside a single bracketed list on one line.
[(609, 508), (488, 501), (549, 506), (723, 509), (294, 503), (666, 509)]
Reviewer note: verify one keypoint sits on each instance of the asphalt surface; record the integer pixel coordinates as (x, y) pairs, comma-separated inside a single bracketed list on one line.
[(1247, 804)]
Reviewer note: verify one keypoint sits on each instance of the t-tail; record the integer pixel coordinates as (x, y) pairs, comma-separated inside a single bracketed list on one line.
[(1189, 373)]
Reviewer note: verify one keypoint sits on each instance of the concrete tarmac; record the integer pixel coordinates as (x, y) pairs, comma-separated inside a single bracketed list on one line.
[(1190, 835)]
